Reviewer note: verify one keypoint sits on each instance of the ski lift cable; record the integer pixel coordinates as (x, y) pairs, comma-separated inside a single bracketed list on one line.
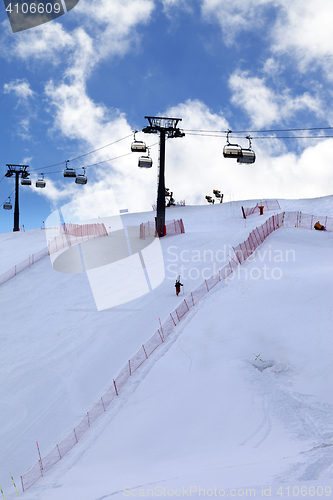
[(260, 131), (265, 136), (80, 156)]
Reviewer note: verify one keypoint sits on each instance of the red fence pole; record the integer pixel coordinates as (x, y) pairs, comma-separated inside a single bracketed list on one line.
[(114, 383)]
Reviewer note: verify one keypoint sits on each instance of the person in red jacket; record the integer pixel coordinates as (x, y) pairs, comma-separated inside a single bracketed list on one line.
[(178, 284)]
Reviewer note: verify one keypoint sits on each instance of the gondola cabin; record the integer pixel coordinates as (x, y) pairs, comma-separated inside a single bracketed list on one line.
[(7, 205), (248, 156), (138, 147), (232, 151), (145, 162), (81, 179), (69, 172), (26, 182), (40, 183)]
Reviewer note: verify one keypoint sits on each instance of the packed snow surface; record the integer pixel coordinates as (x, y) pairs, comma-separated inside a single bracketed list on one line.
[(202, 416)]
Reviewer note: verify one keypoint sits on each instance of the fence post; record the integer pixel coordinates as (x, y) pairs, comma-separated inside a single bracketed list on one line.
[(207, 286), (59, 452), (40, 459), (160, 336), (172, 319), (145, 351), (75, 436), (103, 404), (88, 418), (114, 383), (129, 366), (192, 298)]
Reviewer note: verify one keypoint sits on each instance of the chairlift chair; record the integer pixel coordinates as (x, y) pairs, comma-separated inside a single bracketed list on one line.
[(145, 162), (138, 146), (7, 205), (25, 181), (232, 150), (41, 183), (69, 172), (248, 155), (81, 178)]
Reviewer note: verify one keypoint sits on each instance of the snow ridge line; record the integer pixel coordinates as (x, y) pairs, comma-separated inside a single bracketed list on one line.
[(70, 234), (242, 252), (25, 264)]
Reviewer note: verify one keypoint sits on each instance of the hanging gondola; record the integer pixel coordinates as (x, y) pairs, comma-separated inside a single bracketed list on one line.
[(69, 172), (145, 161), (248, 155), (26, 181), (7, 205), (81, 178), (41, 183), (138, 146), (232, 150)]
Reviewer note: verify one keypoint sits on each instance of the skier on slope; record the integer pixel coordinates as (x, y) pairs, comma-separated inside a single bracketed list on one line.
[(178, 284)]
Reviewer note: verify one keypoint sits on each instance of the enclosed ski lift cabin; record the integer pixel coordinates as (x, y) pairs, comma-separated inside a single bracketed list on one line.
[(232, 150), (41, 183), (138, 146), (26, 181), (248, 155), (69, 172), (7, 205), (145, 162), (81, 178)]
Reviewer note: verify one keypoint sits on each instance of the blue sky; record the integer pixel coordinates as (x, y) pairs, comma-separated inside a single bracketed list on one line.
[(88, 79)]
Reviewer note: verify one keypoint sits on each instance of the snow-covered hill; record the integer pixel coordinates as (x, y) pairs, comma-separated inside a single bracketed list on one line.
[(199, 413)]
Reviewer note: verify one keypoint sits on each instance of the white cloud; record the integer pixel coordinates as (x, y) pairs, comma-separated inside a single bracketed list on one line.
[(104, 29), (304, 28), (301, 28), (265, 106), (235, 16), (20, 87)]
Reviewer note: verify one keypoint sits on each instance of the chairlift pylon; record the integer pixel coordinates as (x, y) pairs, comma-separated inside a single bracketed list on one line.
[(138, 146), (81, 178), (232, 150), (41, 183), (8, 204), (248, 155)]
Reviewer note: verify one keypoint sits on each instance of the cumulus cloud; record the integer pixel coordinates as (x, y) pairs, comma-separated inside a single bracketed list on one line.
[(235, 16), (265, 106), (300, 29), (20, 87)]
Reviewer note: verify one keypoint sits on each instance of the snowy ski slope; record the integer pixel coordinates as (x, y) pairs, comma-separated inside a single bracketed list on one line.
[(199, 414)]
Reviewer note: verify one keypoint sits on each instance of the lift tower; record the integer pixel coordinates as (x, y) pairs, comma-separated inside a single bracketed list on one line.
[(166, 127), (18, 171)]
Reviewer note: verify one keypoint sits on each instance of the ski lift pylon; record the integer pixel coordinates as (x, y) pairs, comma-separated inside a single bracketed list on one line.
[(232, 150)]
